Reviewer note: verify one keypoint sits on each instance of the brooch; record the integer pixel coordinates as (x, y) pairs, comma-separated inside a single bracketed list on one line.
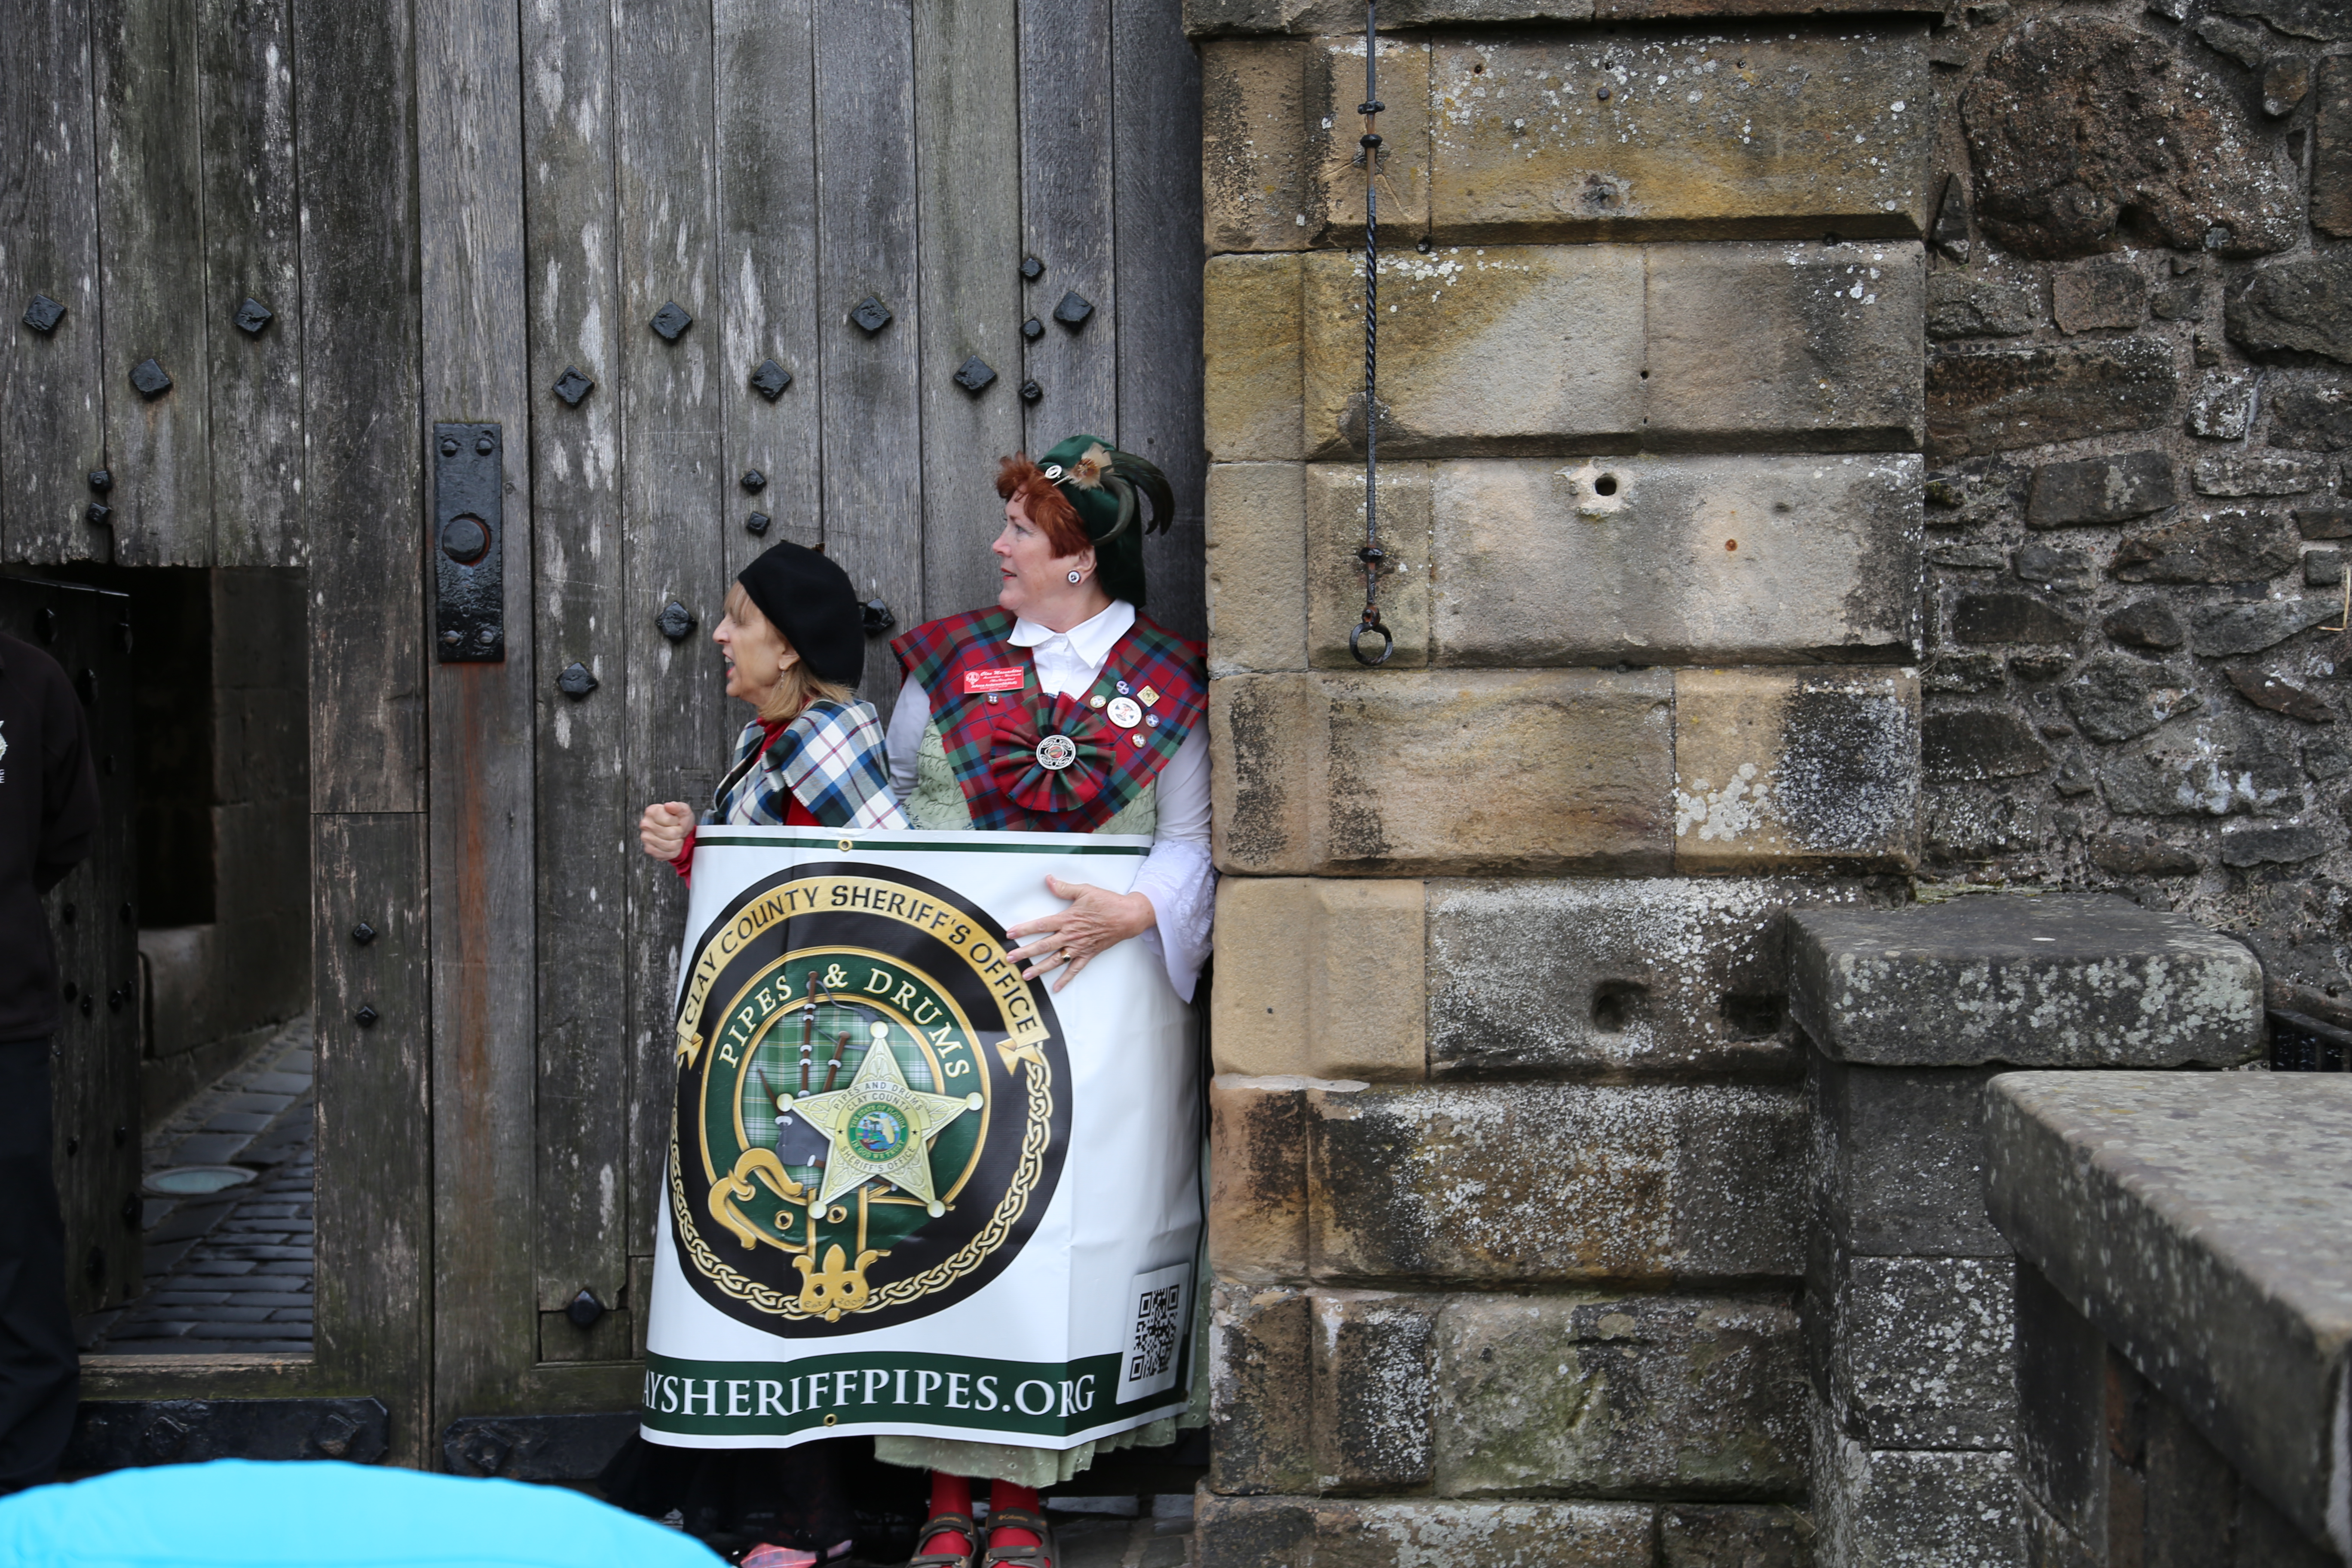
[(1050, 754)]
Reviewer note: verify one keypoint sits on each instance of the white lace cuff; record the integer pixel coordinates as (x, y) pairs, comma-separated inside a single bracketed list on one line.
[(1182, 887)]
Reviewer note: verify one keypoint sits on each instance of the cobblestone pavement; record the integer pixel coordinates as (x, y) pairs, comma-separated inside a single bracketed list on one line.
[(230, 1274), (1162, 1541)]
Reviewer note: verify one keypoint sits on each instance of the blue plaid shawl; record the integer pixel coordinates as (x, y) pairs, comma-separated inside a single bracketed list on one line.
[(830, 759)]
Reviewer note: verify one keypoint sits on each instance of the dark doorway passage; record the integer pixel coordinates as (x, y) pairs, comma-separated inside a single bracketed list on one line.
[(220, 760), (205, 765)]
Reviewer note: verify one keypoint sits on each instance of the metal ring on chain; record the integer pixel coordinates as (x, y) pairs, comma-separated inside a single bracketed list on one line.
[(1355, 643)]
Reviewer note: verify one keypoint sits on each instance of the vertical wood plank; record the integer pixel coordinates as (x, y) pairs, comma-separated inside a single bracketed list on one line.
[(363, 479), (50, 406), (252, 250), (1066, 215), (482, 827), (578, 598), (866, 246), (151, 275), (674, 496), (1156, 168), (767, 266), (968, 118), (375, 1207)]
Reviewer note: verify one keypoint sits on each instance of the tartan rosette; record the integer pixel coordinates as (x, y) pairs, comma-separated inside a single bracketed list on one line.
[(1018, 770)]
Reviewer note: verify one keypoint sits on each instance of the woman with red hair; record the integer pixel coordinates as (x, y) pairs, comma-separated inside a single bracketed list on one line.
[(1061, 708)]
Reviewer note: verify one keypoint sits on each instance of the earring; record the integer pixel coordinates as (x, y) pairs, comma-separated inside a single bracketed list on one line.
[(1076, 577)]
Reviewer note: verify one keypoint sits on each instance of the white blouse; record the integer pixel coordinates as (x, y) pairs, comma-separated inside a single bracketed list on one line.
[(1177, 876)]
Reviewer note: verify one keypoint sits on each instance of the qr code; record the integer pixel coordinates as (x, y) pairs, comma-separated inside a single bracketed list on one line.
[(1154, 1349), (1155, 1344)]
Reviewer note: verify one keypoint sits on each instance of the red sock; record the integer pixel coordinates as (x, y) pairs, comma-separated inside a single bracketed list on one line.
[(949, 1494), (1003, 1495)]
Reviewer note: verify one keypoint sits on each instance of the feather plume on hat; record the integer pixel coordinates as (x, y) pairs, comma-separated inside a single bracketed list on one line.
[(1106, 488)]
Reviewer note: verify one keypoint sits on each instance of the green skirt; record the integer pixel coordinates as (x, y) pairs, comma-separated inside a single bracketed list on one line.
[(1027, 1467)]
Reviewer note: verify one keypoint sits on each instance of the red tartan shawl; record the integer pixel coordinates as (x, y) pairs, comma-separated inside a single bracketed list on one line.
[(992, 746)]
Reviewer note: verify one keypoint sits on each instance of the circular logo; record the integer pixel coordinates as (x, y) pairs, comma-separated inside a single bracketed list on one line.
[(872, 1106), (1125, 712), (879, 1131), (1057, 752)]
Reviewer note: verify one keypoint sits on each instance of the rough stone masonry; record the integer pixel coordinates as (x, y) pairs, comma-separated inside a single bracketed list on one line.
[(1822, 453)]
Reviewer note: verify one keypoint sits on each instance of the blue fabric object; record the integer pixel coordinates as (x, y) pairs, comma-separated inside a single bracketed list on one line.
[(241, 1513)]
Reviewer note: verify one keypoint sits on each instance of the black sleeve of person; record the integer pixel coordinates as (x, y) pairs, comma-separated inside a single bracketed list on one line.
[(69, 805)]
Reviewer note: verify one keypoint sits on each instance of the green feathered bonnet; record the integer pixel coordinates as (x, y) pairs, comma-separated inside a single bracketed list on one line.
[(1106, 485)]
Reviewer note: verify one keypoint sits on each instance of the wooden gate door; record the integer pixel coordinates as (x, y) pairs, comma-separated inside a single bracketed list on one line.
[(697, 276), (600, 300)]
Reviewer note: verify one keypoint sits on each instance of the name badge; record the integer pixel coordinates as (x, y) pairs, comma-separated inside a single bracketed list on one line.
[(1005, 679)]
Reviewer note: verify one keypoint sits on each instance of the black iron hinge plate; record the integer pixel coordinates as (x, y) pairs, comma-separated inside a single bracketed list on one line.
[(468, 539)]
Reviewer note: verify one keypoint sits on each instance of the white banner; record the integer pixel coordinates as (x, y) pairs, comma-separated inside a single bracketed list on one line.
[(985, 1228)]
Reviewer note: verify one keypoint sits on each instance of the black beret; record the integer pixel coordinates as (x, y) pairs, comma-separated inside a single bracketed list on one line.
[(809, 599)]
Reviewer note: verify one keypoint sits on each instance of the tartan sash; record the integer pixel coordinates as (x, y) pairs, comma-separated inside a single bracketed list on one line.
[(830, 759), (963, 660)]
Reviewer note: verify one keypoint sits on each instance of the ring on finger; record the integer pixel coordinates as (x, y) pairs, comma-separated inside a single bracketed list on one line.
[(1065, 955)]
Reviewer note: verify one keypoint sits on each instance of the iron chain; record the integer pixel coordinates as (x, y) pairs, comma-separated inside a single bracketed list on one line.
[(1371, 555)]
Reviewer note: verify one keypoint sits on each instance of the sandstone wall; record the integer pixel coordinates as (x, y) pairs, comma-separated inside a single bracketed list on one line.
[(1510, 1203), (1818, 452)]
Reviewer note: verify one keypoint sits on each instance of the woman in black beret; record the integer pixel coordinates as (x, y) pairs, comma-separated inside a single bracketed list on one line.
[(812, 756), (794, 649)]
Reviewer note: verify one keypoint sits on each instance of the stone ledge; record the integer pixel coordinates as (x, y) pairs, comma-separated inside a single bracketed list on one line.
[(2203, 1224), (2057, 982)]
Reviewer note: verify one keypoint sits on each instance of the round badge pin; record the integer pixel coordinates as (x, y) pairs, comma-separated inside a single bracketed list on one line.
[(1124, 711), (1096, 701), (1137, 739), (1055, 752)]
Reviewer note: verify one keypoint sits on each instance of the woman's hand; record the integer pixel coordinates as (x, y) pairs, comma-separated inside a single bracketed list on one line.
[(662, 830), (1097, 920)]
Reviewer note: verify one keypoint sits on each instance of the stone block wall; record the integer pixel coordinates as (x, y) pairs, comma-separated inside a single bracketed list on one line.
[(1820, 454), (1509, 1213), (2138, 404)]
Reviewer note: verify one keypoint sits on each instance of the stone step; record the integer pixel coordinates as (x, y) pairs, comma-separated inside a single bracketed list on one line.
[(2047, 981)]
